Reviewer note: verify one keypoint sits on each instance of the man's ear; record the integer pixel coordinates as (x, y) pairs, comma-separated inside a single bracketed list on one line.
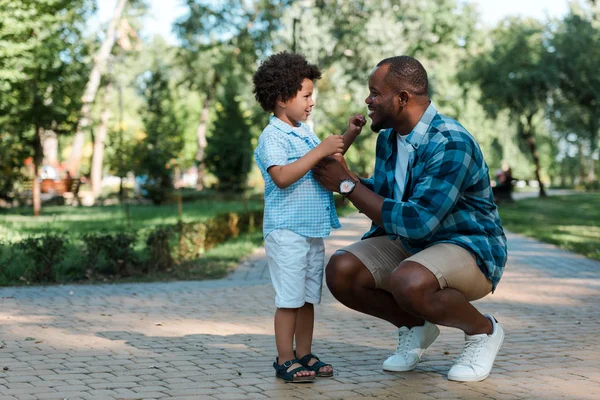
[(403, 97)]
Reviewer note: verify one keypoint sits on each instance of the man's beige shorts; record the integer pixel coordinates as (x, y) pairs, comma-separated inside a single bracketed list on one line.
[(452, 265)]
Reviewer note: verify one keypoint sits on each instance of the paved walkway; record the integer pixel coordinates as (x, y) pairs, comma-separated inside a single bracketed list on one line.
[(215, 339)]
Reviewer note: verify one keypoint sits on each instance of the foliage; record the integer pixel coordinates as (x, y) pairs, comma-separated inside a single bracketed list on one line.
[(229, 149), (156, 155), (158, 248), (45, 252), (12, 154), (577, 103), (43, 65)]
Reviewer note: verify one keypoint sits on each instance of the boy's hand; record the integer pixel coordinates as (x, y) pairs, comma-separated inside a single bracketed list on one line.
[(356, 123), (331, 145)]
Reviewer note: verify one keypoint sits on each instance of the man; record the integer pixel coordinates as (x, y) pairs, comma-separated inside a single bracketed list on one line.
[(436, 242)]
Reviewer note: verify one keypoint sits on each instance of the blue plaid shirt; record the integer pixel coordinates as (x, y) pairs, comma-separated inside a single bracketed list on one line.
[(448, 196), (304, 207)]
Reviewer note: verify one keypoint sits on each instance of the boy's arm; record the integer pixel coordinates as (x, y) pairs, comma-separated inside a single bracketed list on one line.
[(284, 175), (355, 125)]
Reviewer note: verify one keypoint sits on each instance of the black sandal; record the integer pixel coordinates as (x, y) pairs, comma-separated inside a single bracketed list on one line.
[(282, 373), (316, 366)]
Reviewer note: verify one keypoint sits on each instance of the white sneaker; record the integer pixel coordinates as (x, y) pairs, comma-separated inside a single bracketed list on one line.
[(412, 343), (477, 358)]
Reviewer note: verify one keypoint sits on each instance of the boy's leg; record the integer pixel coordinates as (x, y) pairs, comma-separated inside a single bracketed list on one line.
[(285, 256), (304, 329), (306, 314), (285, 325)]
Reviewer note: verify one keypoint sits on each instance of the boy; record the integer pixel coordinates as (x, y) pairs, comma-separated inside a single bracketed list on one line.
[(298, 211)]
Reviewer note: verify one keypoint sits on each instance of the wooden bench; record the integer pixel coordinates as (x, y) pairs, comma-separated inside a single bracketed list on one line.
[(58, 187)]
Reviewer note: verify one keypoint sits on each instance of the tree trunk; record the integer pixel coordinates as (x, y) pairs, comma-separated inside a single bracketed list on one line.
[(38, 156), (50, 148), (528, 135), (98, 155), (92, 88), (582, 162), (593, 146), (201, 140)]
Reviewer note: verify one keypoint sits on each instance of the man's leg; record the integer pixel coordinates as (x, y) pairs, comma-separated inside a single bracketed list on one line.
[(437, 284), (353, 285), (416, 289)]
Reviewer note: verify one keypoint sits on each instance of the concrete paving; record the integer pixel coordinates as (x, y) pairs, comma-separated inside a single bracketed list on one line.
[(214, 339)]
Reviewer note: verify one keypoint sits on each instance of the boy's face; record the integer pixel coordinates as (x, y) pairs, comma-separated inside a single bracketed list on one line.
[(298, 109)]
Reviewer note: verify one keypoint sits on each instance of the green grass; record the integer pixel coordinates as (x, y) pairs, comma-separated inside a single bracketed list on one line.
[(19, 222), (570, 222)]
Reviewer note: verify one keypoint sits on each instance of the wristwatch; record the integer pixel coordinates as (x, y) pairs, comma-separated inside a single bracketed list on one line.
[(347, 186)]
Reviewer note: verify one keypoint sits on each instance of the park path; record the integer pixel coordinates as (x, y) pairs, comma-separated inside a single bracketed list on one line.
[(214, 339)]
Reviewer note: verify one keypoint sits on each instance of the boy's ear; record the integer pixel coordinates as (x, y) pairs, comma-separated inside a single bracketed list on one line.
[(281, 103)]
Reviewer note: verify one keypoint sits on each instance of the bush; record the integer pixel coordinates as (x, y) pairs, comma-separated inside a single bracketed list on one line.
[(593, 186), (110, 253), (191, 241), (157, 246), (45, 251)]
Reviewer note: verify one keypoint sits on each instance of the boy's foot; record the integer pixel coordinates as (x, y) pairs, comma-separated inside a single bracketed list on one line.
[(412, 343), (313, 363), (477, 358), (292, 371)]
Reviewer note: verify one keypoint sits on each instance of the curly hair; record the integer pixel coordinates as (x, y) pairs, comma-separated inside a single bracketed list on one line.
[(280, 77)]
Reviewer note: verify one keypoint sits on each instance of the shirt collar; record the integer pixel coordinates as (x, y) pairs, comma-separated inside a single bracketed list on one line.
[(418, 133), (286, 128)]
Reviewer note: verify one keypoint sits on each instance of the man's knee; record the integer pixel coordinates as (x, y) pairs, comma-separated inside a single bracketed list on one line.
[(341, 271), (411, 284)]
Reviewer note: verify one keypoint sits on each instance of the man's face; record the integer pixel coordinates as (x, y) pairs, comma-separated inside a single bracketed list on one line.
[(382, 102)]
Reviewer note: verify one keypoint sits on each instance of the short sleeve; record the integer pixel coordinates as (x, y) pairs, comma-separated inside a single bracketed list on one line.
[(271, 150)]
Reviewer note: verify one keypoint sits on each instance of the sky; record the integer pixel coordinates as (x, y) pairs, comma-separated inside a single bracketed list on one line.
[(164, 12)]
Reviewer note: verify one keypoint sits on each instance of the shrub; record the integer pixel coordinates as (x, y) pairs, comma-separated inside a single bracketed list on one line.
[(157, 246), (110, 253), (45, 251), (191, 241)]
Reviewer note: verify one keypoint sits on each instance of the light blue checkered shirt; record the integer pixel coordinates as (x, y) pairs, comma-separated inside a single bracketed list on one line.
[(304, 207)]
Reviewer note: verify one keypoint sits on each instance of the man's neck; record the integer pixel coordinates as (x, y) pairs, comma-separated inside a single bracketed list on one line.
[(414, 113)]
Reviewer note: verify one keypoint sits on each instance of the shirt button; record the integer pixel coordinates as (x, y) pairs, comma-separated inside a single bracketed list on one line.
[(327, 208)]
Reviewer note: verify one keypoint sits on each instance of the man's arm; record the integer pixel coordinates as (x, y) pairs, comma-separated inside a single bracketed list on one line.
[(331, 171), (435, 195)]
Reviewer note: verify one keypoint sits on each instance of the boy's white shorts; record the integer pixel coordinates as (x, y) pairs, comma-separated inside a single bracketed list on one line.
[(296, 267)]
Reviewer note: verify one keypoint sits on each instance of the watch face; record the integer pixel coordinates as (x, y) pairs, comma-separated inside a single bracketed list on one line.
[(346, 186)]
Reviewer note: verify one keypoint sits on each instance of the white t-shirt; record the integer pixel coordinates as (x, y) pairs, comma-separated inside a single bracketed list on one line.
[(401, 167)]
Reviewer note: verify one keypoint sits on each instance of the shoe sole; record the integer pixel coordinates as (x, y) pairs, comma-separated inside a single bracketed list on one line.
[(478, 378), (410, 368)]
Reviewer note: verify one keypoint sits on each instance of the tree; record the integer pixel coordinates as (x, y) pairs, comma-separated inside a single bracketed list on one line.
[(212, 35), (157, 153), (43, 54), (91, 88), (229, 150), (515, 75), (579, 85)]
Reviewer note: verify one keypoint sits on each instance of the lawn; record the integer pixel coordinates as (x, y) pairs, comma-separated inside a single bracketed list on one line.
[(570, 222), (18, 222)]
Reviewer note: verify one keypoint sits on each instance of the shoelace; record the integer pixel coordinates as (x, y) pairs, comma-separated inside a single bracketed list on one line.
[(404, 341), (470, 352)]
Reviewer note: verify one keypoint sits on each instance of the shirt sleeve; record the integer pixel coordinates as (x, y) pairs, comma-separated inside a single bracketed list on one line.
[(446, 176), (271, 150)]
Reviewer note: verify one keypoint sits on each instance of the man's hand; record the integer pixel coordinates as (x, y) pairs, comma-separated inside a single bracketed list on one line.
[(356, 123), (331, 171)]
